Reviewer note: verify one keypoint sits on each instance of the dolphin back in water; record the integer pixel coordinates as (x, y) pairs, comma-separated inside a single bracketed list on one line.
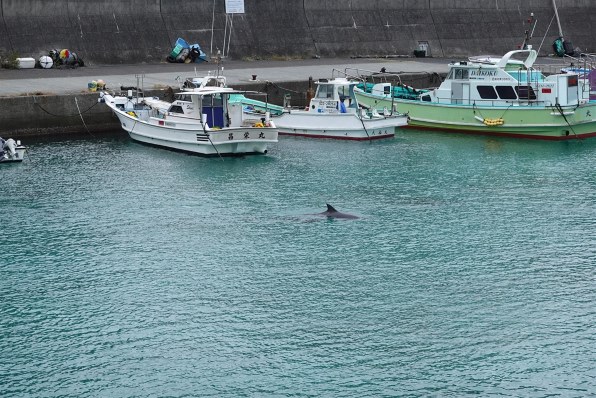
[(332, 213)]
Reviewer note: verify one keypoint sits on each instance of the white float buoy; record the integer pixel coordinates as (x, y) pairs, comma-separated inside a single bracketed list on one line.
[(46, 62)]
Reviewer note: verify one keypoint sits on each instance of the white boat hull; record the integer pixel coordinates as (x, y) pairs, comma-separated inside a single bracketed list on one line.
[(346, 126), (19, 155), (190, 137)]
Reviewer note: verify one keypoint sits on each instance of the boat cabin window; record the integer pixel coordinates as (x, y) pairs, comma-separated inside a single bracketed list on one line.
[(175, 109), (487, 92), (211, 82), (343, 91), (458, 73), (461, 74), (212, 100), (324, 91), (184, 97), (506, 92), (524, 93)]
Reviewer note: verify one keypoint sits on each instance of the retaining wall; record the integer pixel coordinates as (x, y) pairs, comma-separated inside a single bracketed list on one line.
[(133, 31)]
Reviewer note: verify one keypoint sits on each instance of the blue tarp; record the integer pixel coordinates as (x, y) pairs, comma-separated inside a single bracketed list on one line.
[(184, 52)]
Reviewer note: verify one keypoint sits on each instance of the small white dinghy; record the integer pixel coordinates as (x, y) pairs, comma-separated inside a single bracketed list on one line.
[(11, 151), (334, 112), (202, 121)]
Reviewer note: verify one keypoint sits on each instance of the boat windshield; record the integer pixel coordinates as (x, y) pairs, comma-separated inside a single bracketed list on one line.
[(458, 74), (324, 91), (344, 91), (183, 97), (212, 100)]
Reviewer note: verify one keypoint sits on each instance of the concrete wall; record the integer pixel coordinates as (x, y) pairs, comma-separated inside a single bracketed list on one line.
[(130, 31)]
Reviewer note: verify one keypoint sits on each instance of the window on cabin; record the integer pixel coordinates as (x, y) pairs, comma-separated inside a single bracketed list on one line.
[(487, 92), (524, 93), (176, 109), (212, 82), (462, 74), (324, 91), (506, 92), (184, 97), (343, 91), (212, 100)]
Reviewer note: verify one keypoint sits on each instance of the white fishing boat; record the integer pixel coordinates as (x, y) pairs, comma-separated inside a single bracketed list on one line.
[(334, 112), (202, 121), (11, 151)]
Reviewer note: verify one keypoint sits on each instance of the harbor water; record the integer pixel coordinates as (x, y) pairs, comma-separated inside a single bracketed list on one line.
[(133, 271)]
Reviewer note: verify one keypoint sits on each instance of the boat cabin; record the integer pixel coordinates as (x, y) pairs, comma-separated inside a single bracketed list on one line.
[(334, 96), (506, 81), (211, 105)]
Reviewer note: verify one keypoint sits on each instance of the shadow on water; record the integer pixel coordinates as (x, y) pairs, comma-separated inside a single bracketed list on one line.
[(496, 145)]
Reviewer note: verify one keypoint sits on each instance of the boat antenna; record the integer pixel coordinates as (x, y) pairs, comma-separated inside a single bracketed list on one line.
[(218, 62), (529, 34)]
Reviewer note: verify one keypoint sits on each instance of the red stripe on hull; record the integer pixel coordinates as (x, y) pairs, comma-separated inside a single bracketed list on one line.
[(498, 134), (345, 138)]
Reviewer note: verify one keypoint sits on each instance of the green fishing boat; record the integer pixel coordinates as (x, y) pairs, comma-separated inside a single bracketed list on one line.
[(495, 96)]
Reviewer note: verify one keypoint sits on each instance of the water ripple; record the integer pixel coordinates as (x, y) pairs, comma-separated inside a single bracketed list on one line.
[(138, 272)]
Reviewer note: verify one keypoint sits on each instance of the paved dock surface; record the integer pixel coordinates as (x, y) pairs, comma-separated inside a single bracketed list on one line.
[(67, 81)]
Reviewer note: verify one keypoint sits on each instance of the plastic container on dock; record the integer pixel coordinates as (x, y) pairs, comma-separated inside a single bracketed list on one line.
[(26, 63)]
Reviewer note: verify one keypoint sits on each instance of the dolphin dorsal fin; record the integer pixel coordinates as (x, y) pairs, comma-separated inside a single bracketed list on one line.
[(331, 208)]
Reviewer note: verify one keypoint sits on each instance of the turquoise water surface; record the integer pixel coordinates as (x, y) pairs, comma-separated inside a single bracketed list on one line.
[(132, 271)]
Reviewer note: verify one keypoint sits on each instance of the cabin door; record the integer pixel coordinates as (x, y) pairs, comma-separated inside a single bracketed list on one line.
[(213, 108), (460, 93)]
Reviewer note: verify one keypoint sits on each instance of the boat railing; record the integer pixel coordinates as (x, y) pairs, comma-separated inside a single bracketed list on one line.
[(345, 74), (492, 103), (396, 78), (584, 62)]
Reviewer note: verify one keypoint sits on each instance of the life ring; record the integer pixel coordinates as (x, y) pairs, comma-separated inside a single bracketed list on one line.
[(493, 122)]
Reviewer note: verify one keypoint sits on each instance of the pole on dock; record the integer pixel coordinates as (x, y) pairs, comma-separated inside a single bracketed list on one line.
[(558, 20)]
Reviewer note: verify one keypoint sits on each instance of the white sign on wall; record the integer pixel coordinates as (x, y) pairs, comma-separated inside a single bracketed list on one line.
[(234, 6)]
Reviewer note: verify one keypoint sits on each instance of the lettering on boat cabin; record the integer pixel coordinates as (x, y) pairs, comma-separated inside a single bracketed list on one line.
[(328, 104), (474, 74)]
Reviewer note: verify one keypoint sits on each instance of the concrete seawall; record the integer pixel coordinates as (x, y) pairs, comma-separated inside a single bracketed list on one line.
[(132, 31)]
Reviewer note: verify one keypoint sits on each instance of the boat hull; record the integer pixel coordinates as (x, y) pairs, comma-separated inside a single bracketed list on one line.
[(337, 126), (535, 122), (193, 139), (17, 158)]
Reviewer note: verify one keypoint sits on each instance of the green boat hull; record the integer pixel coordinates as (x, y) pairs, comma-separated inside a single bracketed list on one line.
[(538, 122)]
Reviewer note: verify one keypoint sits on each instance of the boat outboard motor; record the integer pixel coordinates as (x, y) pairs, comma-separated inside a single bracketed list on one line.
[(10, 146), (2, 147)]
